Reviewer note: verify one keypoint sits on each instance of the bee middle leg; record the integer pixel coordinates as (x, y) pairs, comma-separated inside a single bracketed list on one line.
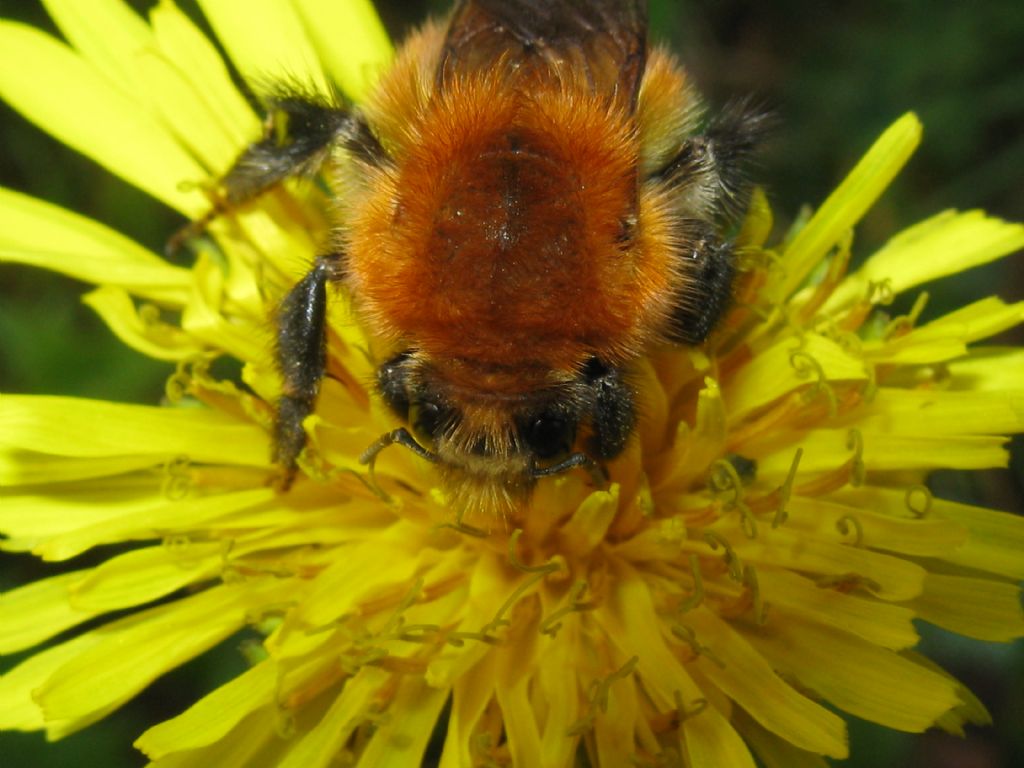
[(710, 268), (301, 358), (709, 176)]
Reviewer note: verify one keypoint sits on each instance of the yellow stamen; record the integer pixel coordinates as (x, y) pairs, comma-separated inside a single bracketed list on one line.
[(919, 510), (696, 597), (845, 523)]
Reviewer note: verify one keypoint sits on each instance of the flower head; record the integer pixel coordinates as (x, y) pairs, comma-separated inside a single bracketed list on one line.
[(762, 551)]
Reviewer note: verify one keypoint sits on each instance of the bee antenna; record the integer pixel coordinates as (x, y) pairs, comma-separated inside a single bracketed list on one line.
[(398, 436), (597, 472)]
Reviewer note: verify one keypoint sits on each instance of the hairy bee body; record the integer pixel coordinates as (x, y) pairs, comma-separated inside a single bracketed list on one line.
[(525, 205)]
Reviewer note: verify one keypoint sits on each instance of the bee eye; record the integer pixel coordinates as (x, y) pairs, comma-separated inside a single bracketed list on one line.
[(549, 435), (428, 419), (392, 380)]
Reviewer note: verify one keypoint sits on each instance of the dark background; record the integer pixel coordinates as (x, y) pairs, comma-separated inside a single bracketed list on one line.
[(836, 75)]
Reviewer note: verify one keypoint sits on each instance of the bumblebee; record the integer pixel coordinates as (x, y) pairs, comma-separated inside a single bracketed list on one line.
[(530, 200)]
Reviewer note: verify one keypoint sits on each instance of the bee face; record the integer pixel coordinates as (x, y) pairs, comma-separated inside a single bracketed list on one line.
[(476, 432), (529, 200)]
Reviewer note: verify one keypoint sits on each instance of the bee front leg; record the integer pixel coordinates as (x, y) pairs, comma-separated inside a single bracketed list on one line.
[(301, 358), (613, 410)]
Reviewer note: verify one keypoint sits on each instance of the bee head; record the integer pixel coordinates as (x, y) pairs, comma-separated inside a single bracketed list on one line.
[(498, 440)]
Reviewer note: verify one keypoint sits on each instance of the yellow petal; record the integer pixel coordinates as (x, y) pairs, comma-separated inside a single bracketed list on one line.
[(387, 560), (350, 41), (775, 752), (58, 88), (995, 542), (627, 617), (994, 539), (920, 538), (947, 337), (151, 523), (489, 590), (121, 46), (557, 691), (978, 320), (757, 222), (273, 237), (988, 369), (867, 681), (74, 427), (588, 525), (50, 511), (893, 577), (748, 679), (132, 652), (947, 243), (39, 234), (924, 411), (512, 690), (785, 366), (401, 739), (31, 468), (179, 105), (710, 741), (320, 745), (212, 717), (615, 730), (65, 524), (695, 449), (847, 204), (184, 44), (38, 611), (140, 330), (144, 575), (316, 530), (917, 348), (267, 42), (969, 710), (205, 318), (980, 608), (890, 626), (108, 34), (470, 696), (255, 742), (825, 449), (18, 708), (886, 451), (710, 429)]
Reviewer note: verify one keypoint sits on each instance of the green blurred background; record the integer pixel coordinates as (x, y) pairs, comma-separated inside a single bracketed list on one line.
[(836, 75)]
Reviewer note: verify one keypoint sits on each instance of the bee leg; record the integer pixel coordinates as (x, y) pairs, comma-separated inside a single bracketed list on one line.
[(398, 436), (709, 172), (569, 462), (703, 300), (299, 132), (613, 410), (734, 137), (709, 175), (598, 474), (301, 358)]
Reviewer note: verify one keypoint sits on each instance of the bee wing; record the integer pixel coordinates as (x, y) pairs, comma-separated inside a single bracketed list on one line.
[(606, 39)]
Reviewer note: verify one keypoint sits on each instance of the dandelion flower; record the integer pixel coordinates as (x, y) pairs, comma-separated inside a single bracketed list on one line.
[(755, 566)]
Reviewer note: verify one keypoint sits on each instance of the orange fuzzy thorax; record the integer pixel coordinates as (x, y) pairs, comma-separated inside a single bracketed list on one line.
[(510, 232)]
